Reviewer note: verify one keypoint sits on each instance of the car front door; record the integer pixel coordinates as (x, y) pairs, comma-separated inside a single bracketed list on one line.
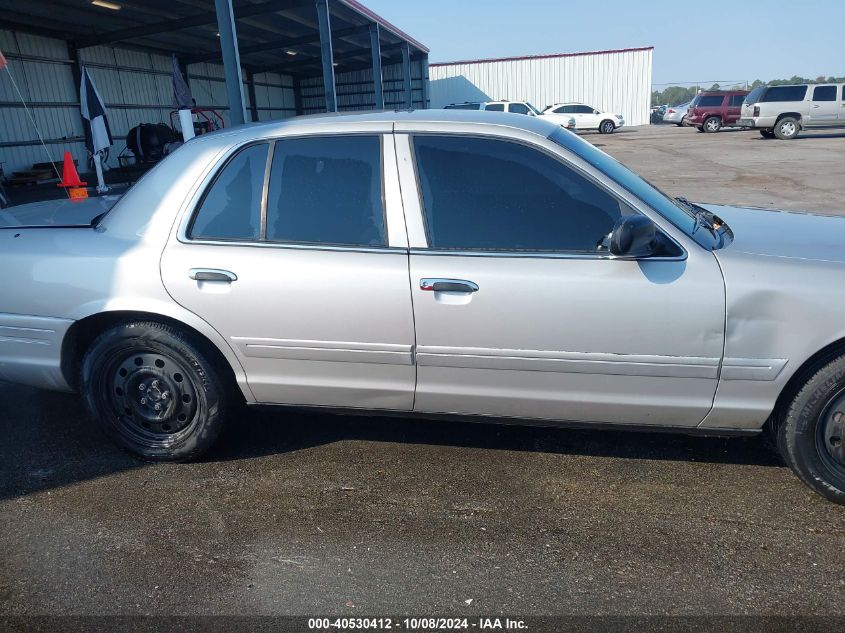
[(824, 109), (297, 254), (518, 310), (588, 117)]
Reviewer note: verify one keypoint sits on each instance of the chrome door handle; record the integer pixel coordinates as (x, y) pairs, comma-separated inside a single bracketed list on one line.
[(448, 285), (212, 274)]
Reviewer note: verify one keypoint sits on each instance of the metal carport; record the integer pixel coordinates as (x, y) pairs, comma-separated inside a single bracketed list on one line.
[(331, 55)]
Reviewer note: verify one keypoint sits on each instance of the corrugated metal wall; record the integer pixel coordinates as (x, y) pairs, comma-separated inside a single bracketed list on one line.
[(356, 91), (135, 86), (613, 81)]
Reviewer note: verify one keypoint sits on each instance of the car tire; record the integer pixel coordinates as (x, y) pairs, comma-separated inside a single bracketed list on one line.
[(767, 134), (712, 124), (811, 435), (787, 128), (607, 127), (153, 391)]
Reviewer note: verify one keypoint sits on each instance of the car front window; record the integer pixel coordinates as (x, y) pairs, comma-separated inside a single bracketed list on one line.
[(669, 208)]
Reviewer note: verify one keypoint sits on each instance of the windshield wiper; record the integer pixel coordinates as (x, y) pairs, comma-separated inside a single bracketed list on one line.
[(702, 216)]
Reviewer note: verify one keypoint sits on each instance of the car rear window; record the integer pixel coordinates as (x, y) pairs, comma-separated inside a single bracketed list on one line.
[(784, 93), (495, 107), (754, 95), (327, 190), (824, 93), (231, 208)]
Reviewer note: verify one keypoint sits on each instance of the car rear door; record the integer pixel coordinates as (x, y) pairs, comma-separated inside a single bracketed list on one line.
[(734, 110), (824, 106), (519, 315), (297, 255)]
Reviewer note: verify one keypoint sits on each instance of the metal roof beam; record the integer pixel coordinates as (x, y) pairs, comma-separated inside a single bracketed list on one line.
[(314, 61), (264, 47), (202, 19)]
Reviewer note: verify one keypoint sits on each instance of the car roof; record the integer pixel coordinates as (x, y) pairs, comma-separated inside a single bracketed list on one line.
[(342, 122)]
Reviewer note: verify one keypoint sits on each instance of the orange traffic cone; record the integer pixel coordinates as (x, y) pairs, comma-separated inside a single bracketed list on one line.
[(70, 179)]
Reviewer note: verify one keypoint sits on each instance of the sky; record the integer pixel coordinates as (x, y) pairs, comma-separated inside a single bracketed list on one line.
[(774, 39)]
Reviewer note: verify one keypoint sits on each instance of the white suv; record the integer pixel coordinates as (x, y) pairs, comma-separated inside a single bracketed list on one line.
[(514, 107), (783, 111), (586, 117)]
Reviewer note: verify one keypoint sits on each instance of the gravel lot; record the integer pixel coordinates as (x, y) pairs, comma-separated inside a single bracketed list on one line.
[(319, 514)]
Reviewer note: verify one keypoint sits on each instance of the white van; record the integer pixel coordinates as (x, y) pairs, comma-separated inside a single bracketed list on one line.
[(783, 111)]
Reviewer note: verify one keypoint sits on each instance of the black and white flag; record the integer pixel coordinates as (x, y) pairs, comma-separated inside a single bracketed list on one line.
[(97, 132), (182, 97)]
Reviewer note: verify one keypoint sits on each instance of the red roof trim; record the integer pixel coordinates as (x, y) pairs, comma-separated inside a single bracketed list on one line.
[(551, 56), (360, 8)]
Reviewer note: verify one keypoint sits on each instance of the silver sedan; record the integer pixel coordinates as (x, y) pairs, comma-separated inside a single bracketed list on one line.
[(430, 263)]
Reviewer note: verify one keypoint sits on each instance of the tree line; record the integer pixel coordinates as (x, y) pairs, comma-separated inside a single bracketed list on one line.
[(676, 95)]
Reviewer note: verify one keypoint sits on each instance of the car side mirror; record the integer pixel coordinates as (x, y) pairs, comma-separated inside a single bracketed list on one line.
[(634, 236), (596, 112)]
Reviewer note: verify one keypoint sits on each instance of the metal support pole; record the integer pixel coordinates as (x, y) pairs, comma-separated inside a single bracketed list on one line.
[(327, 54), (378, 78), (231, 61), (406, 75), (425, 82), (250, 87), (297, 96)]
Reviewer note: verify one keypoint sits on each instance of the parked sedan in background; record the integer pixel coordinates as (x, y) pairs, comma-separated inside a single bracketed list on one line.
[(676, 114), (427, 263), (586, 117), (514, 107)]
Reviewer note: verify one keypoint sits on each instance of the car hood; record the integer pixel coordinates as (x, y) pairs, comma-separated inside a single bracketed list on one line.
[(63, 212), (787, 234)]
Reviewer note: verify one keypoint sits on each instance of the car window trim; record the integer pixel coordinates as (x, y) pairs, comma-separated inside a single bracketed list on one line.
[(563, 254), (184, 234)]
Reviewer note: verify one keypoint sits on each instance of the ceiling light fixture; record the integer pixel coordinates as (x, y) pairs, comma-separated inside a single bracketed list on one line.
[(106, 5), (291, 52)]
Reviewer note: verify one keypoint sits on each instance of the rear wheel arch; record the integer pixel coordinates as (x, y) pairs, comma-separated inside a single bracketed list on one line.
[(82, 334), (793, 115)]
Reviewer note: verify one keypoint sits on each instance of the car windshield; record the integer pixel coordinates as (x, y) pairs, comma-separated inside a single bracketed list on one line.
[(677, 213)]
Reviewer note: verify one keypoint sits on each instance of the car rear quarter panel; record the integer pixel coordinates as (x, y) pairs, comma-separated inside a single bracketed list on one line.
[(56, 276)]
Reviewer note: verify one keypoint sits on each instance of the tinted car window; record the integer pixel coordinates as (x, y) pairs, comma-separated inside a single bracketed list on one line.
[(518, 108), (462, 106), (582, 109), (495, 107), (231, 209), (824, 93), (493, 195), (327, 190), (754, 95), (709, 101), (564, 110), (737, 100), (784, 93)]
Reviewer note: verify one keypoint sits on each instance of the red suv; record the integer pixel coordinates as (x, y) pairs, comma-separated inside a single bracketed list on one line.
[(711, 111)]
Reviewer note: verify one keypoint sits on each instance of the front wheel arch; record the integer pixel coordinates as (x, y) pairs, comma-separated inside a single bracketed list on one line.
[(798, 379), (82, 334)]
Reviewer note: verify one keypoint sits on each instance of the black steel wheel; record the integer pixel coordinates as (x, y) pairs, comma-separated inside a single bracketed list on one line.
[(811, 436), (153, 391)]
